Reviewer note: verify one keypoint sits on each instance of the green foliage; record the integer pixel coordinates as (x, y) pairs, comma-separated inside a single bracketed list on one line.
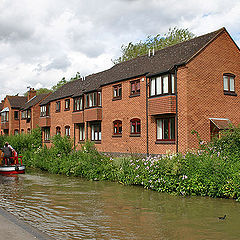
[(174, 36), (24, 142), (64, 81), (212, 170), (43, 90)]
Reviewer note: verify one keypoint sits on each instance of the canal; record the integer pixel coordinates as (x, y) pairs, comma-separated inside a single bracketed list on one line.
[(73, 208)]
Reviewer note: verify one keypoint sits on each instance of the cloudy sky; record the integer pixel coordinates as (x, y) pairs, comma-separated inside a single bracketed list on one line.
[(42, 41)]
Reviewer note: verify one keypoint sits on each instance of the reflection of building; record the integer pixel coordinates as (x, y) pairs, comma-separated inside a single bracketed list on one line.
[(150, 104)]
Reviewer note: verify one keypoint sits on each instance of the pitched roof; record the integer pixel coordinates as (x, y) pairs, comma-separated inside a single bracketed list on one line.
[(33, 101), (163, 60), (1, 106), (221, 123), (17, 101)]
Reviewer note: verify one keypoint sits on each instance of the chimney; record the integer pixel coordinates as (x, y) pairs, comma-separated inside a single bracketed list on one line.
[(31, 93)]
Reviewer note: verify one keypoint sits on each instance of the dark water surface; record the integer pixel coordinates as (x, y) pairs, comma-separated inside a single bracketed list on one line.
[(73, 208)]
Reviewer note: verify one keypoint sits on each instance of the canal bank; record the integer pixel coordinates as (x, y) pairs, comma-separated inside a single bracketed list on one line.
[(13, 228)]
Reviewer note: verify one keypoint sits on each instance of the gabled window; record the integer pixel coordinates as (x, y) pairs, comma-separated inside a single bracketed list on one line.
[(58, 131), (165, 129), (135, 88), (67, 131), (58, 106), (162, 85), (229, 83), (135, 126), (45, 110), (117, 91), (67, 104), (78, 104), (93, 99), (117, 127)]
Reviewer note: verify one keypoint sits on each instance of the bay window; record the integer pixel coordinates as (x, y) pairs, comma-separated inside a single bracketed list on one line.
[(162, 85), (93, 99), (78, 104)]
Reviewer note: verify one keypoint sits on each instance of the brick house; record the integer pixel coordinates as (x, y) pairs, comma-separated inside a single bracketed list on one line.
[(10, 114), (30, 111), (150, 104)]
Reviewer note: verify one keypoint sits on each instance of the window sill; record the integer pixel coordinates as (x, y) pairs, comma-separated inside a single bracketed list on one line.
[(116, 98), (77, 111), (46, 141), (93, 107), (117, 135), (96, 142), (67, 109), (134, 95), (230, 93), (135, 135), (165, 142), (57, 111), (81, 141), (162, 95)]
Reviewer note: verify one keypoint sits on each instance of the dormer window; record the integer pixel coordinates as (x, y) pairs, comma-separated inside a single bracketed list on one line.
[(229, 84)]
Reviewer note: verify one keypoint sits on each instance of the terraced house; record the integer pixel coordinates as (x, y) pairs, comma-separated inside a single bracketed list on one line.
[(151, 104)]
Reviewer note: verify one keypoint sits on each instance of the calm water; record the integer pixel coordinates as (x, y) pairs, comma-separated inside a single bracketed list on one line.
[(73, 208)]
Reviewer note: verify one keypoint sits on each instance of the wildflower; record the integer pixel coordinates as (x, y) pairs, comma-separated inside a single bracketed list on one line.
[(137, 167), (184, 177), (147, 167), (137, 176)]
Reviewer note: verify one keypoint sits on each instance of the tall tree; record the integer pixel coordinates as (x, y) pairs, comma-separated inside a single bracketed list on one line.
[(157, 42)]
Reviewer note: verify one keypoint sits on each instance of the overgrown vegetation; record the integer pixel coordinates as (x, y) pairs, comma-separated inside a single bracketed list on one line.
[(212, 170)]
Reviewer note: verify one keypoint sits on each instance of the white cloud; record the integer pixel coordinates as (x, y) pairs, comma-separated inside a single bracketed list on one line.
[(42, 41)]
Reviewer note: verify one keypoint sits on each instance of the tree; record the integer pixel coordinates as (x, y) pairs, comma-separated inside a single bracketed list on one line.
[(64, 81), (157, 42), (43, 90)]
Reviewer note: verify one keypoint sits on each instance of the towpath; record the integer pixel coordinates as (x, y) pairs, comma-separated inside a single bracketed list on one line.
[(12, 228)]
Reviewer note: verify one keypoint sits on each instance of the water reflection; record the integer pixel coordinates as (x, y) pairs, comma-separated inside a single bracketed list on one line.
[(73, 208)]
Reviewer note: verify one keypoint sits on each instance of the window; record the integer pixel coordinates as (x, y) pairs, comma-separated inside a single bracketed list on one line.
[(166, 129), (93, 99), (4, 116), (22, 131), (58, 106), (135, 87), (135, 126), (96, 134), (16, 115), (162, 85), (67, 104), (78, 104), (29, 113), (16, 132), (67, 131), (117, 91), (81, 132), (28, 130), (117, 127), (46, 132), (58, 131), (229, 83), (45, 110)]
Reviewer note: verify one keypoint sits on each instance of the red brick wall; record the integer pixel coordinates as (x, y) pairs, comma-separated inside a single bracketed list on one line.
[(125, 109), (204, 98), (62, 118)]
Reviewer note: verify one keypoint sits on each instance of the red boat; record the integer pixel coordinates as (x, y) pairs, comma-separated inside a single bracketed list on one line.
[(15, 168)]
